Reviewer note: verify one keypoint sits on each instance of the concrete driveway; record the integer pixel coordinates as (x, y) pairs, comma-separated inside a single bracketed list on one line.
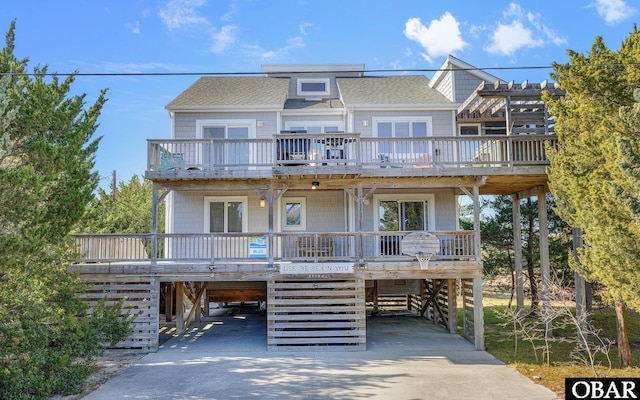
[(406, 358)]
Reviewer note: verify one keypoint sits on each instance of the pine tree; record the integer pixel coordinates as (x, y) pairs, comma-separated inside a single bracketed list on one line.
[(47, 342), (592, 169)]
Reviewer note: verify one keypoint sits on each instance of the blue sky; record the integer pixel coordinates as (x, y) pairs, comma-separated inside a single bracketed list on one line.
[(190, 36)]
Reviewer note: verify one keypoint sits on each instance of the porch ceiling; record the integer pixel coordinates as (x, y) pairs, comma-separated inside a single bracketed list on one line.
[(489, 184)]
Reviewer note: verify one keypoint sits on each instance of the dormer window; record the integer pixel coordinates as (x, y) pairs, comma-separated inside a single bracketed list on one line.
[(313, 87)]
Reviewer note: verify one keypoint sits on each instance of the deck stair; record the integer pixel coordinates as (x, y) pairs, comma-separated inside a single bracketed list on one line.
[(314, 314)]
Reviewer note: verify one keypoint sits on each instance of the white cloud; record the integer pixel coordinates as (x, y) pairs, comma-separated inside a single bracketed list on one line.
[(224, 38), (441, 37), (180, 14), (614, 11), (523, 30), (509, 38)]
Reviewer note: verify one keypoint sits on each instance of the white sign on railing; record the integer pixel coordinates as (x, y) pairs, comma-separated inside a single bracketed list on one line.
[(258, 247), (321, 268)]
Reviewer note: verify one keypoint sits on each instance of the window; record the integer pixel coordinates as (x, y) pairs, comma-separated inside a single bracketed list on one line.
[(313, 87), (226, 153), (295, 214), (469, 130), (403, 127), (314, 127), (225, 214)]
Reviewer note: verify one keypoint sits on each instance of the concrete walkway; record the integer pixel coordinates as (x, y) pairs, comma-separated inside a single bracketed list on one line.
[(406, 358)]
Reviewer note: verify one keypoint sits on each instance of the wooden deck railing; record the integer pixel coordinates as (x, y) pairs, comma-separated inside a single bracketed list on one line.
[(255, 247), (318, 150)]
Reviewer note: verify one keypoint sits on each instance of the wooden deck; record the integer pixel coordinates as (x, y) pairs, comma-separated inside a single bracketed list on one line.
[(504, 160)]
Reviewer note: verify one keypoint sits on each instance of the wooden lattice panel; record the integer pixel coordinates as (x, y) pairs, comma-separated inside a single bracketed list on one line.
[(327, 314), (140, 299)]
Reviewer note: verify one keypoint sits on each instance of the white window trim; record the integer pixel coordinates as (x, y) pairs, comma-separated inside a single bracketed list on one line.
[(408, 119), (213, 199), (428, 197), (229, 123), (303, 213), (322, 124), (325, 92)]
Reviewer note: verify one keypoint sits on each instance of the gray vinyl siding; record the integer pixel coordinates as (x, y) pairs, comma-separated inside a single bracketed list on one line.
[(465, 85), (185, 123), (325, 210)]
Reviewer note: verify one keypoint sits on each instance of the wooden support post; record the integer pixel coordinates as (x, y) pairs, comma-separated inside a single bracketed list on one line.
[(179, 308), (168, 301), (453, 306), (270, 222), (545, 272), (360, 224), (155, 201), (196, 306), (207, 311), (517, 251), (476, 222), (465, 330), (478, 314), (375, 298), (198, 303)]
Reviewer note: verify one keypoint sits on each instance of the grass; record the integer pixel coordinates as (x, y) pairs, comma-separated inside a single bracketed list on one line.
[(501, 343)]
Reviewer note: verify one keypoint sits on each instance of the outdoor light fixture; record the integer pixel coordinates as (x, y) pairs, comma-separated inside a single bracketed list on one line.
[(262, 203), (315, 185)]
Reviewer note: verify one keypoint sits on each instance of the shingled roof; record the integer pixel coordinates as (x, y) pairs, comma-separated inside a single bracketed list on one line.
[(410, 89), (231, 92)]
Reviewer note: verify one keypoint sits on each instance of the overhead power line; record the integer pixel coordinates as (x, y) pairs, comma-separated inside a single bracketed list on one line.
[(222, 73)]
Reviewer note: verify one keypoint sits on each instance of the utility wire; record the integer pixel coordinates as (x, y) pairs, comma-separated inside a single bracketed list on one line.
[(329, 71)]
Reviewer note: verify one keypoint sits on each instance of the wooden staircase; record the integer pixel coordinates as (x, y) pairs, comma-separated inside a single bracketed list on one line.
[(318, 315)]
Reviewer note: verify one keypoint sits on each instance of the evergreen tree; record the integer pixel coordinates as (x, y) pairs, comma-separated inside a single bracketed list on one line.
[(128, 210), (47, 342), (593, 168)]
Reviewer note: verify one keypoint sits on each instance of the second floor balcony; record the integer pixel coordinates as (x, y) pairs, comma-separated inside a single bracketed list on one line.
[(304, 153)]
